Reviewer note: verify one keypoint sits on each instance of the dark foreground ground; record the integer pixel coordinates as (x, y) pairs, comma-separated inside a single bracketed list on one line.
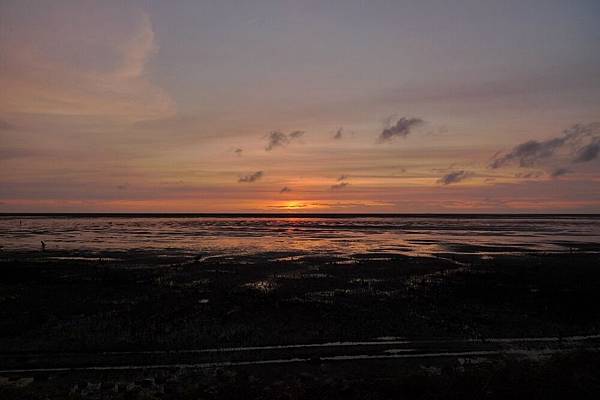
[(136, 325)]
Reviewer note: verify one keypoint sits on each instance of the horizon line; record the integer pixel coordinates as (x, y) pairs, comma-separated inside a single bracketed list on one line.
[(283, 214)]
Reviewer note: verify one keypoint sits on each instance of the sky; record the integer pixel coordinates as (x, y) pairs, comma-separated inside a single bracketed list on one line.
[(300, 106)]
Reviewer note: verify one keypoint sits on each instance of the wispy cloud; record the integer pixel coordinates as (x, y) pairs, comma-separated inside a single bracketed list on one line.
[(286, 207), (402, 128), (280, 139), (339, 134), (137, 49), (253, 177), (454, 177), (335, 205), (339, 186), (296, 134), (36, 81), (529, 175)]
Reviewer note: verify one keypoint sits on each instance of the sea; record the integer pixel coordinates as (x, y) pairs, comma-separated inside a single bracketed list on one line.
[(332, 234)]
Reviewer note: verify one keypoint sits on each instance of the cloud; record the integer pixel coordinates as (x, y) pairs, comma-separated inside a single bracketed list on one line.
[(276, 139), (287, 207), (253, 177), (285, 189), (454, 177), (572, 141), (529, 175), (529, 153), (137, 50), (296, 134), (342, 178), (100, 68), (238, 152), (559, 172), (588, 152), (280, 139), (339, 134), (401, 128), (339, 186)]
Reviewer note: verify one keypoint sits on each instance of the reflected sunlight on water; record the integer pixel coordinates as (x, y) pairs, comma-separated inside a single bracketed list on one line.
[(331, 236)]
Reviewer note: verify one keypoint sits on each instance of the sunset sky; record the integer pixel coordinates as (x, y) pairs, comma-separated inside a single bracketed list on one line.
[(304, 106)]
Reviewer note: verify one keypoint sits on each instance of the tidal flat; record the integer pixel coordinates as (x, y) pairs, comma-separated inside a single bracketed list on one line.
[(139, 324)]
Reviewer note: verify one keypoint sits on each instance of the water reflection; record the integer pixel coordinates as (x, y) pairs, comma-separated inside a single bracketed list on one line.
[(331, 236)]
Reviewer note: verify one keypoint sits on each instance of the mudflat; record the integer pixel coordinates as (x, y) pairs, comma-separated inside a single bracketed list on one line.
[(131, 323)]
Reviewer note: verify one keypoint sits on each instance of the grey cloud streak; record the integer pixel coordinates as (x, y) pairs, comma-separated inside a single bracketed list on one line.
[(454, 177), (253, 177), (339, 186)]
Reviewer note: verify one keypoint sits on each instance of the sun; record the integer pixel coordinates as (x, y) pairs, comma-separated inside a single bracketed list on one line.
[(292, 205)]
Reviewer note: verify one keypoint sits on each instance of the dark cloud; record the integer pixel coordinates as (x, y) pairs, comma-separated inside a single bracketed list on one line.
[(559, 172), (454, 177), (575, 141), (529, 153), (238, 152), (251, 177), (285, 189), (123, 186), (339, 186), (588, 152), (401, 128), (280, 139), (276, 139), (339, 134)]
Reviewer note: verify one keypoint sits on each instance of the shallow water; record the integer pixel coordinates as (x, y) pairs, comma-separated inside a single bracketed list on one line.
[(414, 235)]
